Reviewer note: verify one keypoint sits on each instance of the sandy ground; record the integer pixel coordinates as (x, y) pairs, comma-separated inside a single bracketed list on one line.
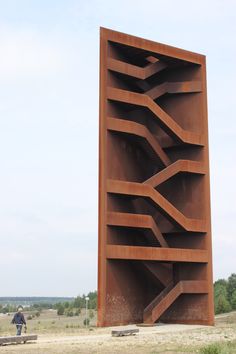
[(156, 339)]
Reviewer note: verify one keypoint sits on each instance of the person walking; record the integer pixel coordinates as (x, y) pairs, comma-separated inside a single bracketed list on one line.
[(19, 320)]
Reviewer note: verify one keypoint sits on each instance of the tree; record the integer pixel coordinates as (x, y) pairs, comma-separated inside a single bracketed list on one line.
[(78, 302), (221, 297), (60, 310), (233, 300), (222, 282), (222, 304), (220, 289), (231, 286), (93, 299)]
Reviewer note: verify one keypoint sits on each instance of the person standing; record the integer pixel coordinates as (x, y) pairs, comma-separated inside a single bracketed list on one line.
[(19, 320)]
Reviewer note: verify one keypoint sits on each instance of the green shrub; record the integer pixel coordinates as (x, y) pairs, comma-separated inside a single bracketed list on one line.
[(69, 312), (211, 349), (60, 310), (86, 320), (77, 312)]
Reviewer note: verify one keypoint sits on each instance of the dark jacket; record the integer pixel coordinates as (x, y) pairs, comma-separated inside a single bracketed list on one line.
[(18, 318)]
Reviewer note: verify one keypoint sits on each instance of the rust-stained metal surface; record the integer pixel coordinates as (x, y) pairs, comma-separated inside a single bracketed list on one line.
[(154, 261)]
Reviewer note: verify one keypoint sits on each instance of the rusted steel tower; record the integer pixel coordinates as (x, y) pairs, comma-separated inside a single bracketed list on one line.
[(155, 258)]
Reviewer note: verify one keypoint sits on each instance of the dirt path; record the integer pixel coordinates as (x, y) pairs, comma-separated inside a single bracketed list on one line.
[(158, 339)]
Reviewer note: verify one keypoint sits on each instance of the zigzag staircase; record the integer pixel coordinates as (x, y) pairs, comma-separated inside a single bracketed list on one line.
[(166, 298), (147, 189)]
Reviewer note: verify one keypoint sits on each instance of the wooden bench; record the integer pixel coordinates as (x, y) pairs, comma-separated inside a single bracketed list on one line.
[(18, 339), (124, 332)]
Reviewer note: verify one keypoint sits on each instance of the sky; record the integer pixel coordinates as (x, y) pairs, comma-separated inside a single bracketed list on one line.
[(49, 63)]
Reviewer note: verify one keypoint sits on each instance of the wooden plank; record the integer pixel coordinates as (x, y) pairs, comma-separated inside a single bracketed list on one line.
[(18, 339), (124, 332)]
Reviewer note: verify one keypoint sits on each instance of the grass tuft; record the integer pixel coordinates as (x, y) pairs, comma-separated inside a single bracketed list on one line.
[(219, 348), (211, 349)]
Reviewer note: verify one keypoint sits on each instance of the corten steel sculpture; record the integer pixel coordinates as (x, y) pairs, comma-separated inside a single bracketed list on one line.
[(155, 260)]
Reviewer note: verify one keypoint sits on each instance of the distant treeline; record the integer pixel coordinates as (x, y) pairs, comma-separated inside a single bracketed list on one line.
[(63, 305), (31, 300), (224, 299), (74, 307), (225, 294)]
